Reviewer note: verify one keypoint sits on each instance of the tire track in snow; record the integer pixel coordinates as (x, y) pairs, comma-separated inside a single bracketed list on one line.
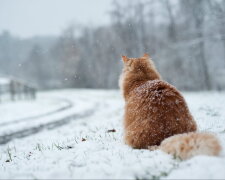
[(66, 107), (50, 125)]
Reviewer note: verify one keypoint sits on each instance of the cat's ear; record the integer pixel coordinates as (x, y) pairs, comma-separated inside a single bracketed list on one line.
[(125, 59), (146, 56)]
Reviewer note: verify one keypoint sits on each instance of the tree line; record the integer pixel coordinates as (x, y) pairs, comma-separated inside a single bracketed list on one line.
[(185, 38)]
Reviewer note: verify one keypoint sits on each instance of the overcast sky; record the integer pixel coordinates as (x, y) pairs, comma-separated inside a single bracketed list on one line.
[(28, 18)]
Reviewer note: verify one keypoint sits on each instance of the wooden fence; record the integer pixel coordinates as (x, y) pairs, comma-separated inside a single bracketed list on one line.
[(17, 90)]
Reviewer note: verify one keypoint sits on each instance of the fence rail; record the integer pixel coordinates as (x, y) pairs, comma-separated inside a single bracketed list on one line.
[(16, 90)]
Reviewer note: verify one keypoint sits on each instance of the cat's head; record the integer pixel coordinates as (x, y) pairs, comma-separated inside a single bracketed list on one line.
[(137, 64), (137, 70)]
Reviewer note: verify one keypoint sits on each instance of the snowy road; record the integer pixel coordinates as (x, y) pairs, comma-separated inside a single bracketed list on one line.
[(84, 148), (48, 112), (62, 105)]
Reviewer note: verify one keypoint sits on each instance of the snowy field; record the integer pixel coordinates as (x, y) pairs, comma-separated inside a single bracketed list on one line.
[(65, 134)]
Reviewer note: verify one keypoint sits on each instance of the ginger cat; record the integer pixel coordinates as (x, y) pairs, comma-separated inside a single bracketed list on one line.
[(154, 109)]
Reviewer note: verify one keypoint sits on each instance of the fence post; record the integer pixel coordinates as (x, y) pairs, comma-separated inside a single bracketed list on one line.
[(0, 93), (33, 93), (25, 91), (12, 90)]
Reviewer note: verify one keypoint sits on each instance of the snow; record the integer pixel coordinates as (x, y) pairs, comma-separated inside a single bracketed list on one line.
[(200, 167), (36, 108), (55, 102), (4, 81), (84, 149)]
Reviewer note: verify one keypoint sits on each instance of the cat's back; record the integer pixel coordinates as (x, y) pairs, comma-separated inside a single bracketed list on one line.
[(156, 91), (157, 95), (160, 104)]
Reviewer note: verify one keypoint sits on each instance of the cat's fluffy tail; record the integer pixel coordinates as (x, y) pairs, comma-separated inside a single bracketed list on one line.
[(185, 146)]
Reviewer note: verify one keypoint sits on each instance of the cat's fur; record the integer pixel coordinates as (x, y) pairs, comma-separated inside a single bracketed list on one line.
[(191, 144), (154, 109)]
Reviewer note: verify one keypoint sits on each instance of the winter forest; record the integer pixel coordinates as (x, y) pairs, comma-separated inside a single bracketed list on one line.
[(185, 38)]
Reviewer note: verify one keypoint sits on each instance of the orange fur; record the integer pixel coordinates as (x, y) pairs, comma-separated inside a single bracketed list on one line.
[(157, 116), (188, 145), (154, 109)]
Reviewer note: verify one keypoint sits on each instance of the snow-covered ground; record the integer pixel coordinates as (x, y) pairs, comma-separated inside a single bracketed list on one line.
[(18, 110), (84, 148)]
